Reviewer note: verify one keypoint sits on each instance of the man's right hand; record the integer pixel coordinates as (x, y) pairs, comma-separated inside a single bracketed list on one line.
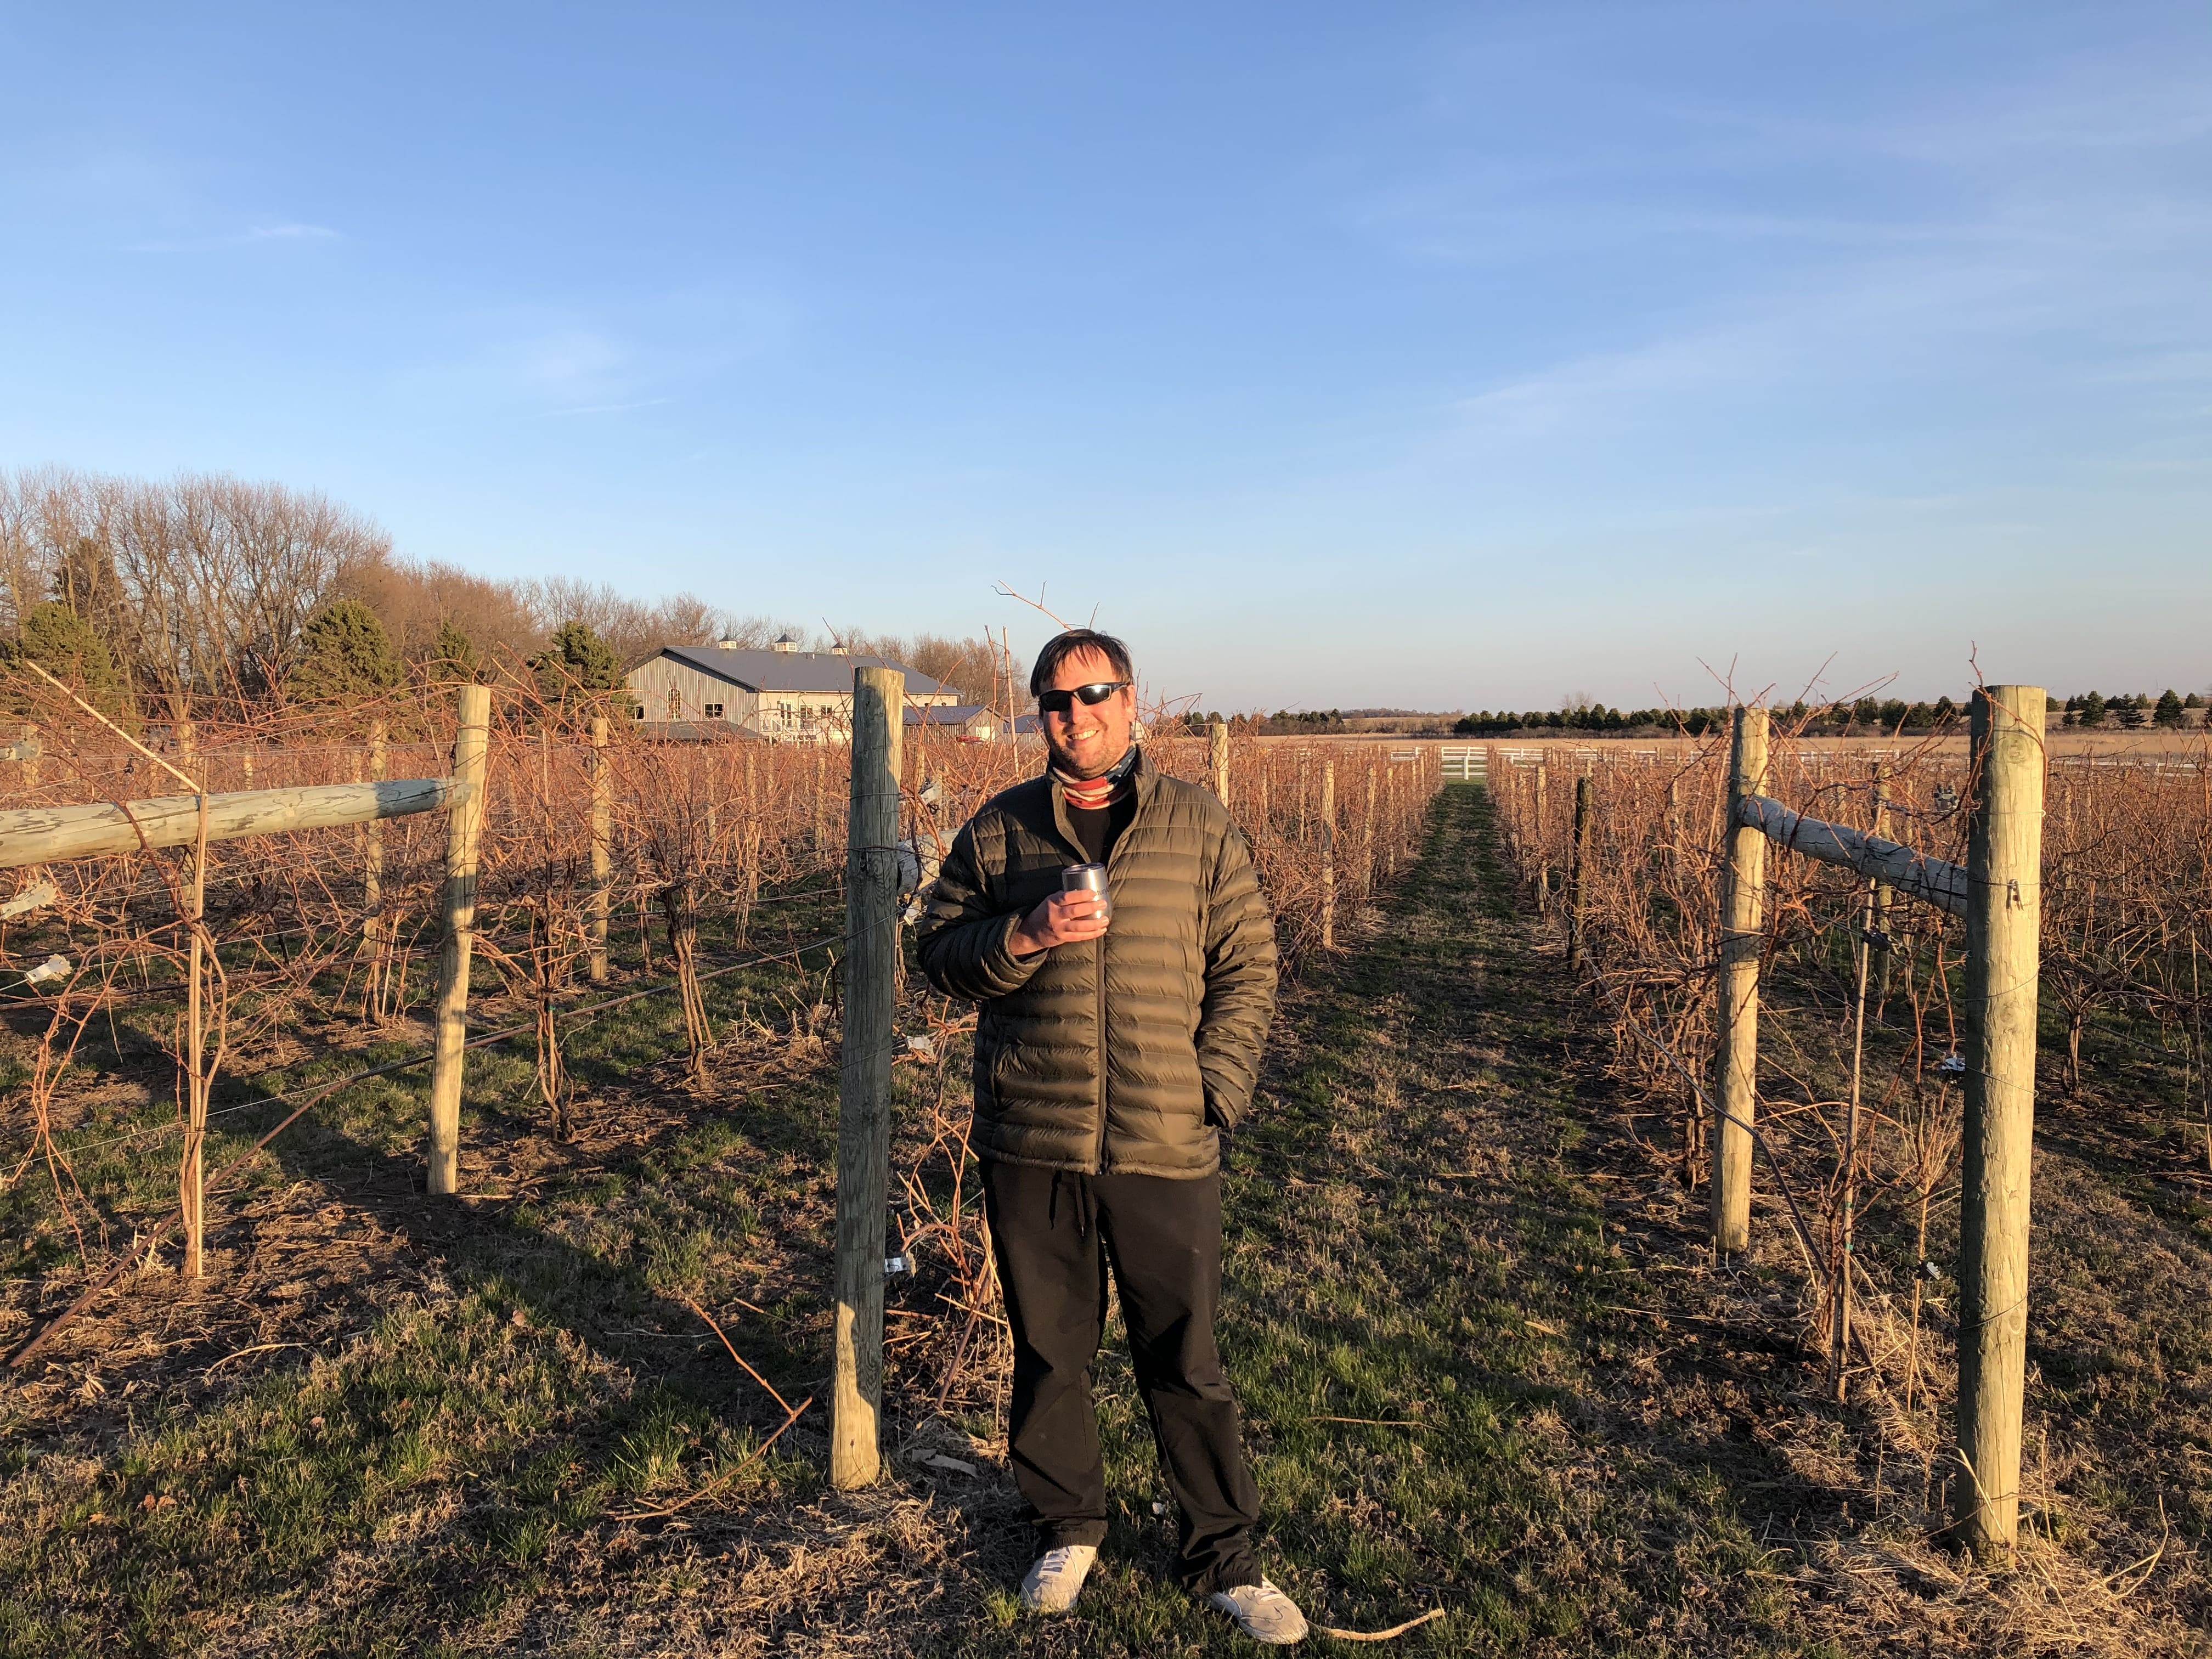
[(1063, 919)]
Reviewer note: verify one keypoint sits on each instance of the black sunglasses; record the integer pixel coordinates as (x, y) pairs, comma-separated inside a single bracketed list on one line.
[(1063, 702)]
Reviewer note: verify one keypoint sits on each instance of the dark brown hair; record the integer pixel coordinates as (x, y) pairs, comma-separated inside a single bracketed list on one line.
[(1062, 647)]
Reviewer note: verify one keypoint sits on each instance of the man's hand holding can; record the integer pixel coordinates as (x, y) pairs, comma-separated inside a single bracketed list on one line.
[(1076, 915)]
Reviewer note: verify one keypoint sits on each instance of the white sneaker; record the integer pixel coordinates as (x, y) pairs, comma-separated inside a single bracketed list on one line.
[(1057, 1577), (1262, 1613)]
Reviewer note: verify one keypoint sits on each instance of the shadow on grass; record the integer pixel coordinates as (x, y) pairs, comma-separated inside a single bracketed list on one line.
[(530, 1374)]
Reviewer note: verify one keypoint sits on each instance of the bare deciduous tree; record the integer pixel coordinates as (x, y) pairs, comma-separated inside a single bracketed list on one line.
[(414, 600), (200, 584)]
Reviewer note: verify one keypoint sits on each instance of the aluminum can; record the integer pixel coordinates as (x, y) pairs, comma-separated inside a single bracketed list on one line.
[(1087, 878)]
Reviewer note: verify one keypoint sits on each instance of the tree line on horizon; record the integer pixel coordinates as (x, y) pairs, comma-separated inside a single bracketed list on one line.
[(205, 596), (1861, 717)]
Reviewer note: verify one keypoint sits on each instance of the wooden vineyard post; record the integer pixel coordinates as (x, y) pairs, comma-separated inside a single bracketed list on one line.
[(749, 847), (464, 833), (603, 821), (820, 834), (1391, 828), (371, 867), (377, 979), (1217, 744), (1329, 855), (1577, 872), (1367, 837), (1743, 913), (2004, 904), (863, 1091), (1840, 1343), (29, 752), (1304, 811), (1878, 923), (192, 1186), (1543, 847)]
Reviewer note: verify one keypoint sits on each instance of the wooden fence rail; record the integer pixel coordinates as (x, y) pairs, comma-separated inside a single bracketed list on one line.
[(53, 834), (1911, 874)]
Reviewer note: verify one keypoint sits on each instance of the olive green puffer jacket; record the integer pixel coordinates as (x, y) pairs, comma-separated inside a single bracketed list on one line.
[(1118, 1055)]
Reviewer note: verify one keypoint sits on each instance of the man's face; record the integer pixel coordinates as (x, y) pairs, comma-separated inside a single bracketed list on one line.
[(1090, 738)]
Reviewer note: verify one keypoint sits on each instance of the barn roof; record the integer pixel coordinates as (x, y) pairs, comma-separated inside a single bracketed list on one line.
[(958, 714), (792, 671)]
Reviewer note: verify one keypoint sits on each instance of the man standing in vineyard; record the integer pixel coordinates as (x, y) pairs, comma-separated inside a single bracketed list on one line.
[(1118, 1033)]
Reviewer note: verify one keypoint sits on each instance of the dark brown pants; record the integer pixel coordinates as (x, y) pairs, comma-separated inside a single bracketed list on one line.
[(1056, 1235)]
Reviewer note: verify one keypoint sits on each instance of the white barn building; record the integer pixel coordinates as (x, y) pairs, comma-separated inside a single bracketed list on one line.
[(784, 694)]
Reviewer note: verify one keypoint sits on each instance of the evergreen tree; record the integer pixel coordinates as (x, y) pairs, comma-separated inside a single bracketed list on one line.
[(69, 648), (454, 660), (2168, 712), (1945, 712), (345, 657), (578, 667), (2091, 711), (87, 583), (2132, 711)]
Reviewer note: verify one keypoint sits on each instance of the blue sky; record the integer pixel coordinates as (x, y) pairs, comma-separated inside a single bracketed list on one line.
[(1435, 356)]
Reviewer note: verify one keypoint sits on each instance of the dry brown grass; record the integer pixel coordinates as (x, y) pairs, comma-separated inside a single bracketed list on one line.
[(2118, 1485)]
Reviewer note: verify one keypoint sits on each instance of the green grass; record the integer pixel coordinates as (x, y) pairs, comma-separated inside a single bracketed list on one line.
[(510, 1388)]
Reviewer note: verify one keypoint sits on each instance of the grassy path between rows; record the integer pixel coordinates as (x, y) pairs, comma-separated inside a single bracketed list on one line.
[(1411, 1246)]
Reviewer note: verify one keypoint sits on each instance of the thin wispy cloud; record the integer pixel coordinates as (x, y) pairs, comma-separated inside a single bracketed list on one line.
[(546, 359), (1592, 389), (255, 236), (607, 408), (563, 361)]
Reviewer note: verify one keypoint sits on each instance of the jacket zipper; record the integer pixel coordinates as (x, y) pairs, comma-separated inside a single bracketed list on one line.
[(1100, 1168), (1100, 1162)]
